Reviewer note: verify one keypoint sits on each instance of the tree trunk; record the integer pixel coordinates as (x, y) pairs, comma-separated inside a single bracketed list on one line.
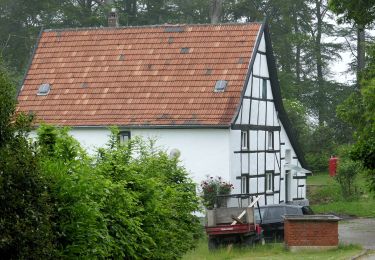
[(216, 8), (298, 47), (319, 63), (360, 52)]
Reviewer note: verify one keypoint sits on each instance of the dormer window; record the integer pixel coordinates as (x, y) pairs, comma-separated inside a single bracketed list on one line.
[(44, 89)]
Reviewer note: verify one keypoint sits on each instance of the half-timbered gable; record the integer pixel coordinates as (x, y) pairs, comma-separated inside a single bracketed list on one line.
[(262, 147)]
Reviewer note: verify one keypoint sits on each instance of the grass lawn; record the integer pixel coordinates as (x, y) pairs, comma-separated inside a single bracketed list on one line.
[(268, 251), (325, 197)]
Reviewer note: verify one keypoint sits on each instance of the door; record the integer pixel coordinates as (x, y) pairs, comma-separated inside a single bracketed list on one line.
[(288, 175)]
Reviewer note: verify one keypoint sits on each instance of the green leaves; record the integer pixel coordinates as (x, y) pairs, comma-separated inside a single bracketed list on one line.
[(131, 201), (361, 12)]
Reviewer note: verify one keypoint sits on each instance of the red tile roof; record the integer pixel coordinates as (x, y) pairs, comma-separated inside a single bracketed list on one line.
[(138, 76)]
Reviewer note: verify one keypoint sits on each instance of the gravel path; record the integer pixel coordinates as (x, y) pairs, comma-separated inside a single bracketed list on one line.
[(358, 231)]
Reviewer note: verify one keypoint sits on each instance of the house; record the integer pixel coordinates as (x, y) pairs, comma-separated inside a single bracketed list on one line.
[(209, 91)]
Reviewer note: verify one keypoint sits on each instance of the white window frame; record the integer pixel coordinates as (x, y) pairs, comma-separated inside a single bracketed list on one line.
[(245, 140), (269, 181)]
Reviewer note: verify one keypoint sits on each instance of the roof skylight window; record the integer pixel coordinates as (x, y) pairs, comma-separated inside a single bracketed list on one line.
[(43, 89), (221, 85), (185, 50)]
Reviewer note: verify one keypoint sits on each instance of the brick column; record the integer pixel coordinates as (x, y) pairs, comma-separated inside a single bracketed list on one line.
[(311, 232)]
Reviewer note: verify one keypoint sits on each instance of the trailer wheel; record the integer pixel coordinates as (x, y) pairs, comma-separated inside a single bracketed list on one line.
[(212, 244), (248, 241)]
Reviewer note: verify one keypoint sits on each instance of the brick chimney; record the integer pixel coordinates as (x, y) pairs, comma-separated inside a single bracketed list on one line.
[(113, 18)]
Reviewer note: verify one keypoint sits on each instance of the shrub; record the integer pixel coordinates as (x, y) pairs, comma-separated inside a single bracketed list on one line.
[(130, 202), (25, 205), (211, 187), (347, 171)]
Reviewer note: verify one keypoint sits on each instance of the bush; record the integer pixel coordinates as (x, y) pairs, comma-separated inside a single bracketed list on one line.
[(25, 205), (211, 187), (131, 201), (347, 171)]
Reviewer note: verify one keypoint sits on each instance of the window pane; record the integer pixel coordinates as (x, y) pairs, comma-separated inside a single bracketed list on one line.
[(292, 211), (276, 212), (270, 140), (244, 139), (264, 89), (124, 137)]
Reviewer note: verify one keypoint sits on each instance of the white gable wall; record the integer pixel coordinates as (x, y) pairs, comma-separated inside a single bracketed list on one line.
[(203, 151)]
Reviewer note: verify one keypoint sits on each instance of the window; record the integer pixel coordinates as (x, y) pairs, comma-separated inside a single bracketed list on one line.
[(269, 181), (244, 140), (44, 89), (276, 213), (124, 137), (244, 185), (288, 156), (270, 140), (264, 89), (221, 85)]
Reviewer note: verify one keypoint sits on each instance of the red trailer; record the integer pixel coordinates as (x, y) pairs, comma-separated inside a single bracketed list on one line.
[(232, 225)]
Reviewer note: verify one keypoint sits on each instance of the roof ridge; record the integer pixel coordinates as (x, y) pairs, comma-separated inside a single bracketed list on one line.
[(149, 26)]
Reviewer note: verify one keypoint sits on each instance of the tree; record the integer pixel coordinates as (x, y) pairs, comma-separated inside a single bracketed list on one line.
[(362, 13), (7, 102), (25, 227)]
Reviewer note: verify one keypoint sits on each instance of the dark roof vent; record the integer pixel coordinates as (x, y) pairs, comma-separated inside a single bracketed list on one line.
[(174, 29), (121, 57), (43, 89), (241, 60), (220, 85), (170, 40), (84, 85), (208, 71), (185, 50)]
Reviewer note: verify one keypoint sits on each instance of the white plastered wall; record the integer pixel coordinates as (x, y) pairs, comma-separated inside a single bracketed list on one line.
[(203, 151)]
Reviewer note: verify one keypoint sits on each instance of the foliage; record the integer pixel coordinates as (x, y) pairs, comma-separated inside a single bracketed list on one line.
[(25, 226), (361, 12), (7, 101), (359, 111), (347, 172), (211, 187), (130, 202)]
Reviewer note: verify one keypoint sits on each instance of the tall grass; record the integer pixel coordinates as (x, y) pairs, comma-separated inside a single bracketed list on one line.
[(268, 251)]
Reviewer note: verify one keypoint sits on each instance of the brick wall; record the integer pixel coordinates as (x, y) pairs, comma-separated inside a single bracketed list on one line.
[(310, 233)]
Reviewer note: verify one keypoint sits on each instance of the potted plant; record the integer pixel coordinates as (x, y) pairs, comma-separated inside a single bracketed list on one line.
[(211, 187)]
